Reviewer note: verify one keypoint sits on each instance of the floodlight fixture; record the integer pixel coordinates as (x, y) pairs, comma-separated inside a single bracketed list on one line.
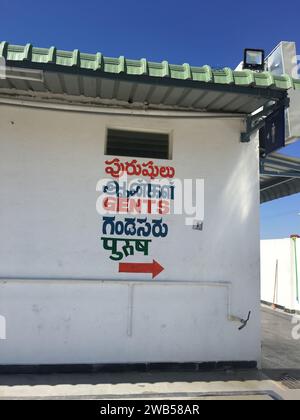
[(254, 59)]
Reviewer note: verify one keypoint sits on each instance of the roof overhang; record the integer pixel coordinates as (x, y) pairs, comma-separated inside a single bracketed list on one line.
[(50, 75), (138, 82)]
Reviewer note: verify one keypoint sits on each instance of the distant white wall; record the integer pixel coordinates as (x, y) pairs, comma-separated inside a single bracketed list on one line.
[(50, 162), (280, 282)]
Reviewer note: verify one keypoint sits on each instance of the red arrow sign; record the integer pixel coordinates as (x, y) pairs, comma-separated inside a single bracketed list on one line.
[(153, 268)]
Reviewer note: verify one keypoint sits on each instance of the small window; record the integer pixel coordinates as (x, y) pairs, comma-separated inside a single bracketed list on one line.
[(137, 144)]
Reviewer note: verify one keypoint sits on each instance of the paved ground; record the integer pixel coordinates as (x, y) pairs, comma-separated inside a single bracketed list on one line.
[(277, 380), (279, 350)]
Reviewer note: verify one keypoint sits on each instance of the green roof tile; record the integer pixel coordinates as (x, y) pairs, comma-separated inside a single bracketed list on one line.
[(98, 63), (202, 74), (224, 76), (244, 78)]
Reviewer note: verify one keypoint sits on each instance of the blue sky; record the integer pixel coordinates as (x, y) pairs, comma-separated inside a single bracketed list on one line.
[(196, 32)]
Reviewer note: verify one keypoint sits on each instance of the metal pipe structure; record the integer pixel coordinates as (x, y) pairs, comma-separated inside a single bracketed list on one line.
[(294, 239)]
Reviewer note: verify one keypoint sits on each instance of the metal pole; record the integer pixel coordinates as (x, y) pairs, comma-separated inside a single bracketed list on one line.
[(275, 286)]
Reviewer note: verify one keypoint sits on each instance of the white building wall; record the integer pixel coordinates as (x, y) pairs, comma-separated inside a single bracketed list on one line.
[(63, 298), (278, 286)]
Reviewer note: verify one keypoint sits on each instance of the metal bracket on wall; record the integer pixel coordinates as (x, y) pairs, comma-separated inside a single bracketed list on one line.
[(256, 121)]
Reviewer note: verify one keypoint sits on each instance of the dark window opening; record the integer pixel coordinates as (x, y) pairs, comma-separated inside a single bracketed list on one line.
[(137, 144)]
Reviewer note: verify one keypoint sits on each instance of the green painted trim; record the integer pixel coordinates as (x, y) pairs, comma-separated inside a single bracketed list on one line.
[(98, 63)]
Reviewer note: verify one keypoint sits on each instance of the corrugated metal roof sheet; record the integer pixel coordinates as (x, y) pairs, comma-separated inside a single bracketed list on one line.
[(98, 63), (280, 177)]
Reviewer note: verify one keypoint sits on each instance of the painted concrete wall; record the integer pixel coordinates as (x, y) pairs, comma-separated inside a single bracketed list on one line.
[(278, 285), (62, 296)]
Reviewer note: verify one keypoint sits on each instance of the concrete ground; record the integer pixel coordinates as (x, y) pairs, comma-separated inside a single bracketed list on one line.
[(279, 349), (279, 379)]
